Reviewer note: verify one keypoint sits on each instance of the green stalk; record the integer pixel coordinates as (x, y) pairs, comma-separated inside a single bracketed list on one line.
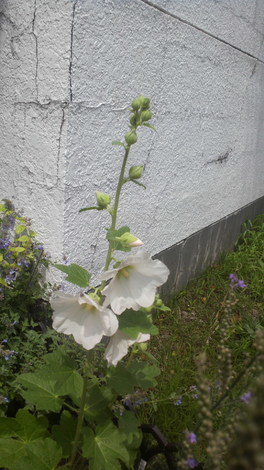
[(115, 209), (79, 423)]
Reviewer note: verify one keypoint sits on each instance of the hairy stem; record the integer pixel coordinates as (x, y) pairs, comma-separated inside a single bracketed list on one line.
[(115, 209), (79, 423)]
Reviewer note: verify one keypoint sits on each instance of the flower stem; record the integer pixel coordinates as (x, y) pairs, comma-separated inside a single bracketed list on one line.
[(115, 209), (79, 423)]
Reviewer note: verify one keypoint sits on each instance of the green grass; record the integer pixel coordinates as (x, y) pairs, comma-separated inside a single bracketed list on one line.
[(191, 327)]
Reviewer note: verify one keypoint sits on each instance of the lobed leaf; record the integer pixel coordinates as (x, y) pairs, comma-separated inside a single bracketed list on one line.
[(75, 274)]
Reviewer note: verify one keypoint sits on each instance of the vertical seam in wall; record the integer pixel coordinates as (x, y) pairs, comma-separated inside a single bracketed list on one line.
[(71, 48), (36, 47)]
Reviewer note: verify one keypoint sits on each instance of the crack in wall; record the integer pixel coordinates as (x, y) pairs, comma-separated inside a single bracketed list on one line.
[(188, 23), (36, 46), (59, 142), (221, 159), (71, 49)]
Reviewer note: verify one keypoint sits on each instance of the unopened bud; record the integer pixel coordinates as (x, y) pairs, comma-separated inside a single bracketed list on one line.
[(103, 200), (131, 138), (133, 120), (145, 103), (146, 115), (136, 103), (130, 240), (136, 243), (135, 172)]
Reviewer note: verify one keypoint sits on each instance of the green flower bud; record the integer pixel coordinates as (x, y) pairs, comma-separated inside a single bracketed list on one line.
[(133, 120), (146, 115), (136, 104), (145, 103), (103, 200), (135, 172), (131, 138)]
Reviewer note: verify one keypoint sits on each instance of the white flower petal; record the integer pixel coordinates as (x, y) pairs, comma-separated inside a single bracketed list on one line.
[(137, 287), (118, 346), (86, 325)]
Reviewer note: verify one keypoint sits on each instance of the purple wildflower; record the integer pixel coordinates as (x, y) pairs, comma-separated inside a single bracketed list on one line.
[(241, 284), (4, 341), (195, 396), (246, 397), (235, 282), (192, 437), (178, 402), (192, 462), (4, 243)]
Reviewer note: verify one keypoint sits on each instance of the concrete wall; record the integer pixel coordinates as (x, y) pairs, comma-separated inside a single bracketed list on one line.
[(76, 65)]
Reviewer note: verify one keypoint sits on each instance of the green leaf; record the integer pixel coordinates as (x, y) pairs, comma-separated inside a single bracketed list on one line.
[(40, 455), (105, 448), (3, 282), (16, 454), (130, 425), (146, 124), (112, 236), (3, 208), (90, 209), (17, 249), (97, 402), (20, 228), (41, 391), (134, 322), (118, 142), (76, 274), (121, 380), (138, 183), (62, 370), (64, 433), (144, 374), (23, 239), (11, 452)]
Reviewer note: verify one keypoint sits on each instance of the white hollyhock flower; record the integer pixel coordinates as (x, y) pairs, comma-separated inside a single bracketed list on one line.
[(83, 318), (118, 346), (134, 282)]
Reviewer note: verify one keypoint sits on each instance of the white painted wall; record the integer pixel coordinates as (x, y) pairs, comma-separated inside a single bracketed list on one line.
[(76, 66)]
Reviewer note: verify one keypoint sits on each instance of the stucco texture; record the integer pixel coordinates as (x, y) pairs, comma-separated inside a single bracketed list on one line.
[(67, 86)]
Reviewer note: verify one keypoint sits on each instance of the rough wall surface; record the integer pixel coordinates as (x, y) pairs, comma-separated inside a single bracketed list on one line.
[(34, 75), (69, 70), (205, 160)]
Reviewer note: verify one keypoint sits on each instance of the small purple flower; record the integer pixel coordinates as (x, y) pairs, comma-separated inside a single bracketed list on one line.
[(241, 284), (39, 247), (193, 387), (192, 462), (6, 399), (191, 436), (7, 358), (178, 402), (4, 243), (246, 397), (235, 282), (4, 341)]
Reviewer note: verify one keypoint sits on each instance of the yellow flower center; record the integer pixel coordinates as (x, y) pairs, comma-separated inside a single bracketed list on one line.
[(124, 272), (88, 307)]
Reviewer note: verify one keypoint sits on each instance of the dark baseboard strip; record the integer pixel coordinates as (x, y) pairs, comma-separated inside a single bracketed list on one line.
[(189, 258)]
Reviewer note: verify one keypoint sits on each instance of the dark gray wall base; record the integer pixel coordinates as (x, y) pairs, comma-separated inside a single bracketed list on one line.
[(188, 258)]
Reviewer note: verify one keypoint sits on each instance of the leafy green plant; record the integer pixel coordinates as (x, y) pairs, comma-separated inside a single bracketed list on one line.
[(25, 314)]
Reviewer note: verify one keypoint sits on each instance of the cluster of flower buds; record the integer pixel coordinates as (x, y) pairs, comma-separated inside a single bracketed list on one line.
[(140, 115)]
